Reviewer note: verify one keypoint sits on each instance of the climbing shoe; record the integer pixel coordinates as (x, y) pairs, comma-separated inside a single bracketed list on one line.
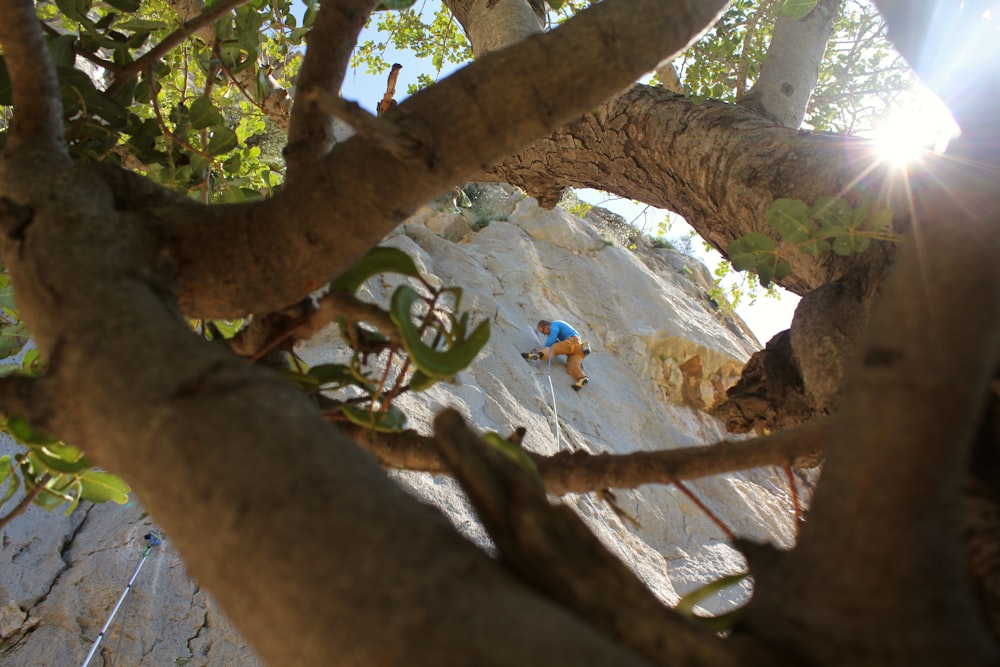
[(531, 356), (578, 385), (586, 348)]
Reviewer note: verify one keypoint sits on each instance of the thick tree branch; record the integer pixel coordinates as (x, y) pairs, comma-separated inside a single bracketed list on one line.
[(330, 43), (36, 131), (900, 448), (790, 69), (494, 24), (454, 129), (717, 165), (30, 398), (580, 472)]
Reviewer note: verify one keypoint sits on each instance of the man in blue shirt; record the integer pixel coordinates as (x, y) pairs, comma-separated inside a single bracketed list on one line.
[(562, 339)]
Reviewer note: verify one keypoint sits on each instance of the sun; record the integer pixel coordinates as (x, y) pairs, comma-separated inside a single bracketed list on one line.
[(906, 134)]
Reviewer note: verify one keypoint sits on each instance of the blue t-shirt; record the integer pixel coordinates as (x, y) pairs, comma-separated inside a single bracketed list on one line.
[(559, 331)]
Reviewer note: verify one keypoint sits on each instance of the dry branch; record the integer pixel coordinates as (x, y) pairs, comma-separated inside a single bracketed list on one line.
[(581, 472)]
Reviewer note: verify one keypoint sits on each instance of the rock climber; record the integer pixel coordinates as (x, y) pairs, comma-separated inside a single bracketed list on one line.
[(562, 339)]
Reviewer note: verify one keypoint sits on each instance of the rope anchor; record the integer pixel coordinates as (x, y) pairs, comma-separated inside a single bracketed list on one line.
[(154, 540)]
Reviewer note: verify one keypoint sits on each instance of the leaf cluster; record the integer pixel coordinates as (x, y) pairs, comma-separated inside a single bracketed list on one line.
[(194, 119), (429, 339), (53, 471), (831, 224)]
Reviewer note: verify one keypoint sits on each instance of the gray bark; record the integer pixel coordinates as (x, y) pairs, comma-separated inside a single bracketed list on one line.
[(790, 70)]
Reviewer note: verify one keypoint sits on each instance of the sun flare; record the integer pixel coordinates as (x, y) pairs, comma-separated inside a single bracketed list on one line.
[(906, 134)]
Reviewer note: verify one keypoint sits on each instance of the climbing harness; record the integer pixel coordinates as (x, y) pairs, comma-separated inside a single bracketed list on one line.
[(154, 540)]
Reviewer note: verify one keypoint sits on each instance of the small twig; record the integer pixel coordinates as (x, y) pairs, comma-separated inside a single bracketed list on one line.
[(389, 135), (128, 71), (388, 100), (704, 508), (26, 501), (114, 68), (795, 496)]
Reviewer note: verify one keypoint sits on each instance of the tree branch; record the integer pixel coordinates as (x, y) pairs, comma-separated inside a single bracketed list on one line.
[(36, 131), (26, 397), (789, 71), (126, 72), (330, 43), (25, 503), (900, 448), (581, 472), (454, 129)]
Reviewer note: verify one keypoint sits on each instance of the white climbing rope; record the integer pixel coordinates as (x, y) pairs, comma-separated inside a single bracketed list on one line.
[(555, 412), (154, 540)]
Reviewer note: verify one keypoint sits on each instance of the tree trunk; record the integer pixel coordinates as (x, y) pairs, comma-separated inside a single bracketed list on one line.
[(790, 70)]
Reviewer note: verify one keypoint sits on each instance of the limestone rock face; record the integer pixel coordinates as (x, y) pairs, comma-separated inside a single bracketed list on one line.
[(662, 355)]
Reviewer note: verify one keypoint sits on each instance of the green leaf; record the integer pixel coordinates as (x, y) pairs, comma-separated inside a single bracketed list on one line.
[(790, 218), (833, 214), (61, 48), (13, 338), (391, 421), (75, 10), (25, 434), (687, 603), (60, 458), (101, 487), (776, 269), (7, 475), (223, 140), (337, 374), (420, 381), (797, 9), (434, 363), (125, 5), (204, 114), (78, 93), (849, 243), (746, 252), (512, 450), (880, 221), (378, 260), (387, 5)]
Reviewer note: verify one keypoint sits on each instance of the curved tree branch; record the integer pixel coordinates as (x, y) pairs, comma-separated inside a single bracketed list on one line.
[(36, 131), (450, 131), (900, 448), (717, 165)]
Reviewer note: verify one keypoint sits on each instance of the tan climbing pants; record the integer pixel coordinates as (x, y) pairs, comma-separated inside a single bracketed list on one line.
[(573, 349)]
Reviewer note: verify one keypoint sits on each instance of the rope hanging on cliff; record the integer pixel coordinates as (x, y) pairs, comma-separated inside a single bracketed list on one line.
[(154, 540), (555, 413)]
